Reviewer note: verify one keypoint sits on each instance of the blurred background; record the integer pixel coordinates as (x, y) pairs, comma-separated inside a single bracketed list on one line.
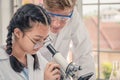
[(102, 20)]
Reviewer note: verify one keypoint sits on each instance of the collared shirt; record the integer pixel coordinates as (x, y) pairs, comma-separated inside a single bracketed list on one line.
[(7, 73), (24, 73)]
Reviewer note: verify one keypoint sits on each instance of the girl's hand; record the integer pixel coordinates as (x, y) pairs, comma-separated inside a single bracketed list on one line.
[(52, 71)]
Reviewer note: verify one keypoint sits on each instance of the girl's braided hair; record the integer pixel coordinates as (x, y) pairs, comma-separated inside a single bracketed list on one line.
[(21, 19)]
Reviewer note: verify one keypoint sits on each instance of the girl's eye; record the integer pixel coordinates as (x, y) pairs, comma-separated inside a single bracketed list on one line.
[(37, 40)]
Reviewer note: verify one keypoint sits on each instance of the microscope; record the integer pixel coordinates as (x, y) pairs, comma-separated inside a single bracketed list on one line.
[(68, 70)]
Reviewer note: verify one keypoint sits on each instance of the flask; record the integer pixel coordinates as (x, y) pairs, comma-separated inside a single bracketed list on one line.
[(115, 73)]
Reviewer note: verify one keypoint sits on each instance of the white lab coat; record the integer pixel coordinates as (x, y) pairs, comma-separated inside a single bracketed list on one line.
[(75, 31), (79, 6), (7, 73)]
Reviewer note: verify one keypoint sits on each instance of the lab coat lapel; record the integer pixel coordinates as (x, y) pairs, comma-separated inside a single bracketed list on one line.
[(64, 32), (30, 61), (59, 38)]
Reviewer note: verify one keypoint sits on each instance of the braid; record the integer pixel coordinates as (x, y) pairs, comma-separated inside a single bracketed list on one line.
[(9, 41), (15, 64)]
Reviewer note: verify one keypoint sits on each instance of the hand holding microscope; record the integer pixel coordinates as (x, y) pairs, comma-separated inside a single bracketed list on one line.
[(70, 70)]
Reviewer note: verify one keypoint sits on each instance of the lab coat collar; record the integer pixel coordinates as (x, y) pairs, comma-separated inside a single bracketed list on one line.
[(30, 61)]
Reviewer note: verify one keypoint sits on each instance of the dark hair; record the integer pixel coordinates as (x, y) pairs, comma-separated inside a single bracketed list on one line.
[(21, 19)]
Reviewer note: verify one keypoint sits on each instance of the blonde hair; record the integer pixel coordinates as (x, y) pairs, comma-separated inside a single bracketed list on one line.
[(59, 4)]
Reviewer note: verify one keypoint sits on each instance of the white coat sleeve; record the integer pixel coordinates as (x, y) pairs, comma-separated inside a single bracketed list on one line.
[(1, 76), (78, 6), (82, 49)]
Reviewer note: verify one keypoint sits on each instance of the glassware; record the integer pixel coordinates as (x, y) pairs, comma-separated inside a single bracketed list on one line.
[(115, 73)]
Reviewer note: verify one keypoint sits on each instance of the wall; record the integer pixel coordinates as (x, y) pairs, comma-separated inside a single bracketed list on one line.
[(0, 25), (5, 15)]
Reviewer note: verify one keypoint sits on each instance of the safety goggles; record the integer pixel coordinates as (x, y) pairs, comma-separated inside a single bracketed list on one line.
[(59, 16)]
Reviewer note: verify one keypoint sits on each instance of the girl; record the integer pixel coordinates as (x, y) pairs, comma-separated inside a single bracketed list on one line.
[(27, 32)]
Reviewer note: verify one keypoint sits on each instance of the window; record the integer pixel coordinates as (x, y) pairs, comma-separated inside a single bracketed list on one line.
[(102, 19)]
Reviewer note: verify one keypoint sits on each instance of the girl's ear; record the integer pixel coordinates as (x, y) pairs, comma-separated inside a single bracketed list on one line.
[(18, 33)]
